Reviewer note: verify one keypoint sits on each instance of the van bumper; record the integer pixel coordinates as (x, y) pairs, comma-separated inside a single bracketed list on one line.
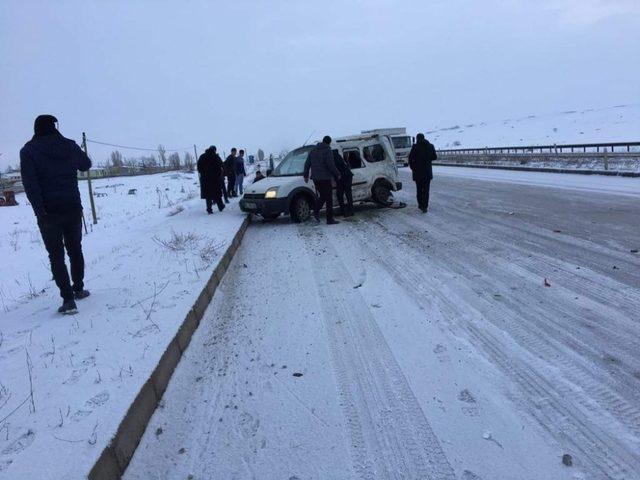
[(263, 206)]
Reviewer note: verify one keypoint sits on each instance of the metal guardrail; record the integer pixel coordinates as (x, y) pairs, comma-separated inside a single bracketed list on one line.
[(615, 147)]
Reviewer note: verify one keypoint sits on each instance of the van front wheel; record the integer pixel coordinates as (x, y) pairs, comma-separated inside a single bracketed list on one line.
[(301, 209), (381, 194)]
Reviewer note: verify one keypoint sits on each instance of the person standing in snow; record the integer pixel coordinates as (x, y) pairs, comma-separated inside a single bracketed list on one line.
[(210, 172), (240, 173), (230, 172), (420, 158), (343, 187), (259, 176), (323, 171), (49, 165)]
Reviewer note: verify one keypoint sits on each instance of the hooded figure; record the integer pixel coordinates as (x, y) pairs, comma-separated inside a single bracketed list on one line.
[(49, 165), (210, 172), (420, 158)]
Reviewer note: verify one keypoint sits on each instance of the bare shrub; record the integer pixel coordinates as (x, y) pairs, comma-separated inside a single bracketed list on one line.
[(178, 242), (209, 251), (14, 239)]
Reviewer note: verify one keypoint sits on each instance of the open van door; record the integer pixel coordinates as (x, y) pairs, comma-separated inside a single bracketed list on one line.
[(360, 183)]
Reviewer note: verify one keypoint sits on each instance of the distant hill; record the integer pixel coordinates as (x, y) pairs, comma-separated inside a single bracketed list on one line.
[(619, 123)]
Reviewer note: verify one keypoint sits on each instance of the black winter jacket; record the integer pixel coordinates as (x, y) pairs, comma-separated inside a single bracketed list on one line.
[(420, 158), (49, 166), (342, 165), (320, 162), (230, 166), (210, 171)]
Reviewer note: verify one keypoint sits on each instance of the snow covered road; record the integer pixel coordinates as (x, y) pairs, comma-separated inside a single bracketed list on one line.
[(402, 345)]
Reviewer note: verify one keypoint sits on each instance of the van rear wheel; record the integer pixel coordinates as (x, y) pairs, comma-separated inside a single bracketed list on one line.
[(300, 209)]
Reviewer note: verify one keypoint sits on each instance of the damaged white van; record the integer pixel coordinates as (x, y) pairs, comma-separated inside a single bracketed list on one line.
[(375, 176)]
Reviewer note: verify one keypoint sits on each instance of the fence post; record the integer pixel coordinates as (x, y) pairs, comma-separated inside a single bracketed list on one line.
[(93, 206)]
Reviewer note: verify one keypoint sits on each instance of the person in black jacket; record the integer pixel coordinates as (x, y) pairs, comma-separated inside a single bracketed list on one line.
[(323, 169), (343, 186), (230, 172), (210, 172), (420, 158), (49, 165)]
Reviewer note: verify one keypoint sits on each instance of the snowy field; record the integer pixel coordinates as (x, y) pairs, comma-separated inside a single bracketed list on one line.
[(620, 123), (482, 341), (66, 381)]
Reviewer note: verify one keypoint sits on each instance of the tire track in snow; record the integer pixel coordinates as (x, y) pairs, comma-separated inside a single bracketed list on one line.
[(544, 334), (389, 433), (558, 408)]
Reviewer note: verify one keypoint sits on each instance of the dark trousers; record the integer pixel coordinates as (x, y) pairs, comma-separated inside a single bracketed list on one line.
[(325, 197), (343, 189), (224, 190), (231, 185), (422, 192), (218, 201), (60, 232)]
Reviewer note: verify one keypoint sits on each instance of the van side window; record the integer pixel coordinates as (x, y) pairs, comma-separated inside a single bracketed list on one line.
[(374, 153), (353, 159)]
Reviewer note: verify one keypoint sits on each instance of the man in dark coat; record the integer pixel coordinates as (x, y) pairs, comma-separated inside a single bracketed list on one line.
[(343, 187), (420, 158), (49, 165), (230, 172), (210, 171), (323, 171)]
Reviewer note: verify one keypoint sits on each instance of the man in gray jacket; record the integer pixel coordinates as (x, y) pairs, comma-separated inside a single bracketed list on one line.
[(323, 171)]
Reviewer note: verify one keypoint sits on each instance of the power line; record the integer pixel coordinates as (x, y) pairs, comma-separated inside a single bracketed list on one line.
[(139, 148)]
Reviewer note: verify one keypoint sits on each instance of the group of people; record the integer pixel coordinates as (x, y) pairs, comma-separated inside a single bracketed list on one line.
[(213, 172), (325, 166)]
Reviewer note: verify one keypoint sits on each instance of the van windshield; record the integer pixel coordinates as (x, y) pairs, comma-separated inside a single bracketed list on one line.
[(293, 164)]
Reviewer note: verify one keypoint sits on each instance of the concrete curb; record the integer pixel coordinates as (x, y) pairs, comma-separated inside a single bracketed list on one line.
[(115, 458), (541, 169)]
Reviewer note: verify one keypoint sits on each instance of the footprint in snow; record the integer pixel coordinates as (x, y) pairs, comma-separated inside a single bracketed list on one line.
[(248, 425), (20, 443), (441, 352), (471, 408), (469, 475), (98, 400)]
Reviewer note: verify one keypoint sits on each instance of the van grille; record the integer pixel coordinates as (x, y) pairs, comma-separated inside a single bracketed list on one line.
[(253, 196)]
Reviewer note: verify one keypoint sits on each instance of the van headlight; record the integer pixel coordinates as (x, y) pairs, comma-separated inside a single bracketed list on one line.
[(271, 192)]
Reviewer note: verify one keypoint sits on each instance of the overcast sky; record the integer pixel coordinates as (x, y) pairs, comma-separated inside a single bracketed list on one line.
[(267, 73)]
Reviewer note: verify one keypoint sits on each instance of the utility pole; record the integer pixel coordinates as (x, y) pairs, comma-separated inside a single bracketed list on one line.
[(195, 152), (93, 205)]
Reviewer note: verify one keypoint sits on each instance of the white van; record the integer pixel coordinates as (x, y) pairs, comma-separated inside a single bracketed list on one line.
[(375, 176)]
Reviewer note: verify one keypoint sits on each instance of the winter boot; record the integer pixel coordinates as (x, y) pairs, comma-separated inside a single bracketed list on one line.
[(332, 222), (68, 308), (80, 294)]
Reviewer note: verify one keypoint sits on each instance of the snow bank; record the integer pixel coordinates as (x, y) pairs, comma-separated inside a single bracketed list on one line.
[(619, 123), (66, 382)]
